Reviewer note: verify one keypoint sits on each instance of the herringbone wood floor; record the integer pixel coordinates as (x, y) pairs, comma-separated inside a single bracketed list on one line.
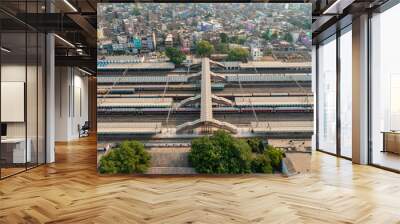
[(70, 191)]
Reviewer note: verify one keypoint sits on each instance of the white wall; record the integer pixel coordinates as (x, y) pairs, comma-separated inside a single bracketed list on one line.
[(33, 126), (62, 82), (71, 103), (14, 73)]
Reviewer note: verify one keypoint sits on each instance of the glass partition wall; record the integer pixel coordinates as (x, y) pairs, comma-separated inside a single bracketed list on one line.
[(345, 61), (327, 96), (385, 90), (22, 77), (334, 109)]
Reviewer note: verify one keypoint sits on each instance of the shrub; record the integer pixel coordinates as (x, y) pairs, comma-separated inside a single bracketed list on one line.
[(108, 163), (276, 156), (261, 164), (256, 145), (220, 153), (128, 157), (204, 156)]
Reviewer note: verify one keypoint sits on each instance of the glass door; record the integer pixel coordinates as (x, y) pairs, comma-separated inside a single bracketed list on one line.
[(346, 92), (22, 77), (14, 144), (385, 89), (327, 96)]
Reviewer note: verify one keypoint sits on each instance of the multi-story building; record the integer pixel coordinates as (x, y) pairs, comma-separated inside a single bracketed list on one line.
[(256, 53), (169, 41)]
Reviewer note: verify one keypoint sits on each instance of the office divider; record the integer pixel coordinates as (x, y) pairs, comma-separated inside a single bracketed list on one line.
[(22, 77)]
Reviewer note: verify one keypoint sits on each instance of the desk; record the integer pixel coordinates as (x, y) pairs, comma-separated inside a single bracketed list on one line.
[(391, 141), (13, 150)]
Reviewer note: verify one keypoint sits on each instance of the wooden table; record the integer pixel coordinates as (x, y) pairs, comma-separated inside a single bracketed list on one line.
[(391, 141)]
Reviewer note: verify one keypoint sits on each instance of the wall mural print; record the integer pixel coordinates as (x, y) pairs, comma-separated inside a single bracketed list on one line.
[(204, 88)]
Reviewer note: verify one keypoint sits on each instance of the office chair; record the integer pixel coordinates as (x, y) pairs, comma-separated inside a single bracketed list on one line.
[(84, 130)]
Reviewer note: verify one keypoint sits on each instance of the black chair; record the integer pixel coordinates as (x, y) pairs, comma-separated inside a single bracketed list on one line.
[(84, 130)]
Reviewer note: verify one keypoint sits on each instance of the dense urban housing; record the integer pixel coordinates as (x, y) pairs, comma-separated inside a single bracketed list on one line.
[(131, 111)]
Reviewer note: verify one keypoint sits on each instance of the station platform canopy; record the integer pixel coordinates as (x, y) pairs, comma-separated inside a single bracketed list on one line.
[(142, 66), (142, 79), (128, 128), (275, 64), (303, 77), (134, 102), (274, 101), (282, 126)]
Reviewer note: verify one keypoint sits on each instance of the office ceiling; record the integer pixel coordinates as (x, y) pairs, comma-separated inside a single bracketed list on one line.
[(76, 21), (328, 13)]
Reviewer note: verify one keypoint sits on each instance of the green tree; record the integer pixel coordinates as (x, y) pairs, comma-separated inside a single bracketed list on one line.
[(204, 48), (274, 36), (128, 157), (241, 40), (136, 11), (224, 37), (109, 162), (238, 54), (175, 55), (256, 145), (222, 48), (306, 25), (268, 52), (220, 153), (237, 39), (303, 24), (261, 164), (234, 39), (276, 156), (204, 155), (288, 37), (266, 35)]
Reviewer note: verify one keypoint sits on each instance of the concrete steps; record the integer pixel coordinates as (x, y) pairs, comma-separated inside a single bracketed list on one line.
[(171, 170), (288, 168), (170, 161)]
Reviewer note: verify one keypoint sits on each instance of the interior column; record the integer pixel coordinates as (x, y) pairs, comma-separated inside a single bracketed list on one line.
[(360, 90)]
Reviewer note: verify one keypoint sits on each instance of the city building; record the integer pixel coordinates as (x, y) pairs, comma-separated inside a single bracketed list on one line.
[(63, 82), (169, 41), (256, 53)]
